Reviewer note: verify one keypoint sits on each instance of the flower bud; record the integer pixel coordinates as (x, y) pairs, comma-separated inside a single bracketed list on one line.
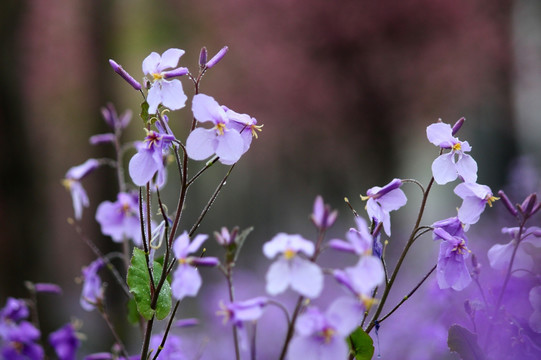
[(124, 74), (528, 205), (509, 206), (205, 261), (102, 139), (458, 125), (174, 73), (47, 288), (216, 58), (203, 57)]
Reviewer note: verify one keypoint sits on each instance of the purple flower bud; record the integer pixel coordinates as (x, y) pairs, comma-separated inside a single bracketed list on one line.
[(102, 139), (203, 57), (528, 205), (186, 323), (65, 342), (322, 216), (458, 125), (47, 288), (176, 72), (219, 56), (124, 74), (508, 205)]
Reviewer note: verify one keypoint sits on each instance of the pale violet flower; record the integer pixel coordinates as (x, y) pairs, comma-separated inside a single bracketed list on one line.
[(290, 269), (475, 198), (359, 241), (92, 293), (72, 183), (447, 167), (322, 336), (451, 270), (535, 301), (120, 219), (222, 139), (383, 200), (169, 93)]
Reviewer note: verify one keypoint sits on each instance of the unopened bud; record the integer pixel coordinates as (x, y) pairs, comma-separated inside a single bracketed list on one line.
[(124, 74), (508, 204), (102, 139), (458, 125), (174, 73), (216, 58), (203, 57), (528, 204)]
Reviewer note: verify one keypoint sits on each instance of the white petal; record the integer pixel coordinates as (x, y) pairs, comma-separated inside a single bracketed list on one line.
[(467, 168), (444, 169), (278, 277), (306, 277), (439, 134), (169, 59), (230, 147), (142, 167), (201, 144), (205, 108), (172, 94), (151, 62)]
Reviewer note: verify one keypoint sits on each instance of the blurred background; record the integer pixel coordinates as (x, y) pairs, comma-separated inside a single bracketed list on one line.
[(345, 90)]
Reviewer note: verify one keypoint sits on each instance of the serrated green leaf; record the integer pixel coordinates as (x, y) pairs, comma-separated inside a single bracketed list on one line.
[(464, 343), (361, 344), (139, 284)]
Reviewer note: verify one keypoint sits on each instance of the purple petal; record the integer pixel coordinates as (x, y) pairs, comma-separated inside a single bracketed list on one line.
[(169, 59), (278, 277), (471, 210), (102, 139), (150, 64), (186, 282), (154, 98), (142, 167), (201, 144), (444, 169), (306, 277), (196, 243), (440, 134), (180, 246), (205, 108), (467, 168), (393, 200), (344, 314), (366, 275), (172, 94), (80, 171), (230, 147)]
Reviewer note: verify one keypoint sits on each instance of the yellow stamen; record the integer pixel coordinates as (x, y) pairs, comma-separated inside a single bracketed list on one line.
[(364, 198), (256, 128), (457, 147), (289, 254), (367, 301), (67, 183), (328, 334), (220, 127), (157, 76), (491, 199)]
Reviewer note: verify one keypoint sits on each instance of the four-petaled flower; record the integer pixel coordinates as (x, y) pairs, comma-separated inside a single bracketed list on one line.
[(447, 167), (169, 93), (475, 197), (121, 219), (322, 336), (186, 278), (222, 140), (290, 269), (381, 201), (451, 268)]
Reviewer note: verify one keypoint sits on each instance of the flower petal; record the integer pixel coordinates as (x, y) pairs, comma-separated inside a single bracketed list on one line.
[(186, 282), (440, 134), (471, 210), (306, 277), (172, 94), (467, 168), (142, 167), (151, 62), (230, 147), (205, 108), (169, 59), (278, 277), (444, 169), (201, 144)]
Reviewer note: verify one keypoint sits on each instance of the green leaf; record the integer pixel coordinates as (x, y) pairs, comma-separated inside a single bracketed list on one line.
[(463, 342), (139, 284), (361, 344), (133, 314), (144, 111)]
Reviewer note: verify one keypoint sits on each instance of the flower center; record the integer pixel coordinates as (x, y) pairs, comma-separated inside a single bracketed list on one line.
[(461, 248), (457, 146), (490, 199), (289, 254), (220, 127), (67, 183), (157, 76), (327, 334), (152, 139)]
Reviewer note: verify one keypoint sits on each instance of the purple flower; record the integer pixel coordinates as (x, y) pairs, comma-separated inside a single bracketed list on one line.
[(168, 93), (149, 158), (322, 216), (447, 167), (323, 336), (362, 278), (475, 197), (20, 343), (120, 219), (71, 182), (499, 255), (112, 119), (14, 311), (381, 201), (92, 293), (535, 300), (359, 241), (290, 269), (186, 279), (451, 268), (221, 140), (236, 313), (172, 350), (65, 342), (244, 124)]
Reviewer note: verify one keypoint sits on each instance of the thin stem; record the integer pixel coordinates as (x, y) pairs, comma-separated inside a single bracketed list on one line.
[(291, 327), (167, 329), (409, 294), (229, 277), (200, 172), (113, 331), (410, 242), (146, 341)]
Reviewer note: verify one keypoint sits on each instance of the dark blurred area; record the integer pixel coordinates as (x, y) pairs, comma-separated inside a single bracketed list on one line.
[(345, 90)]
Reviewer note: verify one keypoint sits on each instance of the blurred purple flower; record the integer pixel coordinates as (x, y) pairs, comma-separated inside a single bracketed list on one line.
[(323, 336), (14, 310), (302, 275), (451, 268), (322, 216), (92, 293), (381, 201), (121, 219), (359, 241), (221, 140), (72, 183), (149, 158), (186, 278), (236, 313), (19, 342), (475, 198), (65, 342), (535, 301), (47, 288), (112, 119), (447, 167), (168, 93), (499, 255)]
